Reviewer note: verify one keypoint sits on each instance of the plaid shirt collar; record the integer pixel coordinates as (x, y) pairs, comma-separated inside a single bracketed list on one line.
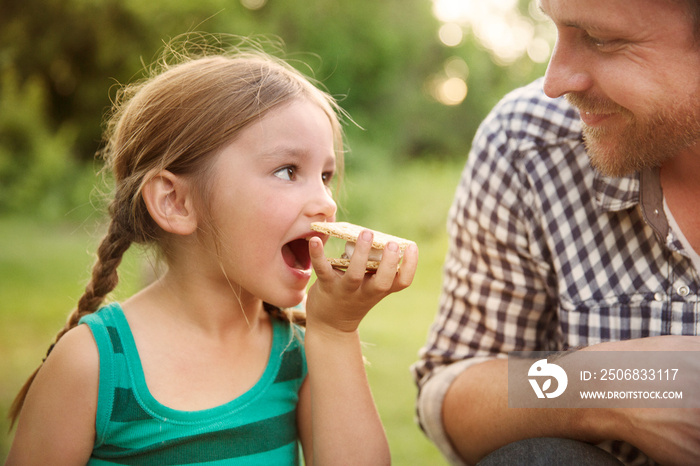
[(644, 188), (616, 194)]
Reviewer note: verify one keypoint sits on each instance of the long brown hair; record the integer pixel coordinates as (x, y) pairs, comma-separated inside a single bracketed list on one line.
[(197, 98)]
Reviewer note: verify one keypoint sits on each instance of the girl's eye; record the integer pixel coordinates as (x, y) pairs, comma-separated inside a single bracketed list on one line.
[(286, 173), (327, 177)]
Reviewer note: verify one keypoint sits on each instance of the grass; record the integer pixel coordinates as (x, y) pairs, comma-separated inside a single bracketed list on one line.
[(44, 267)]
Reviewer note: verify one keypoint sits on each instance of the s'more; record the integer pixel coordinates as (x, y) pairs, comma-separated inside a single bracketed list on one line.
[(350, 233)]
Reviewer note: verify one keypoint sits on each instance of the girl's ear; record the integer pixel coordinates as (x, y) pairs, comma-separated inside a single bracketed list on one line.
[(169, 201)]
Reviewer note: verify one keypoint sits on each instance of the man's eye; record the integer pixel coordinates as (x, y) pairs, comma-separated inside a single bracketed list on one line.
[(286, 173), (595, 41), (604, 45)]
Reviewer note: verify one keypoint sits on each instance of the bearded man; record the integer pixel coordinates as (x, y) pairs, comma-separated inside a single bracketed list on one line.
[(576, 226)]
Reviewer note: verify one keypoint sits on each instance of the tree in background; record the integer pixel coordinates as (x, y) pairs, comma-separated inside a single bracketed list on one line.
[(384, 60)]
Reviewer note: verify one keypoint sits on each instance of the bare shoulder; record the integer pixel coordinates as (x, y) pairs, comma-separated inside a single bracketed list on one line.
[(60, 408), (73, 362), (76, 352)]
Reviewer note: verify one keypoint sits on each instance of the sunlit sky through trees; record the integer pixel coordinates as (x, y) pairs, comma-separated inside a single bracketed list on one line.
[(499, 27)]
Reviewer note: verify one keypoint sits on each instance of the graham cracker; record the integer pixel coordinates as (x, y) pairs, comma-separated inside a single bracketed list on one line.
[(350, 232)]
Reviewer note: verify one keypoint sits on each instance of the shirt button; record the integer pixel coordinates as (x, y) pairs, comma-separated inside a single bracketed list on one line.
[(683, 290), (659, 296)]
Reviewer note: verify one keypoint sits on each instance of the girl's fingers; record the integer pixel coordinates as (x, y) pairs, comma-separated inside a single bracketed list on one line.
[(318, 258), (389, 277), (355, 273), (386, 273), (408, 268)]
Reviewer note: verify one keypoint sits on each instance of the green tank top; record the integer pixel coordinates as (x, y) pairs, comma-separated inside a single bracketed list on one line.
[(257, 428)]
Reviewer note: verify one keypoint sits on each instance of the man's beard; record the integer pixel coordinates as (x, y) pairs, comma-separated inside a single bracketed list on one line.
[(640, 142)]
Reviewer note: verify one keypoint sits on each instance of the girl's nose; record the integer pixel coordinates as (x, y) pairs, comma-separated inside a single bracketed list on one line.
[(322, 203)]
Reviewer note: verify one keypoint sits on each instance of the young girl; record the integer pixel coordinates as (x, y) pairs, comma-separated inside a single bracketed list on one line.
[(222, 162)]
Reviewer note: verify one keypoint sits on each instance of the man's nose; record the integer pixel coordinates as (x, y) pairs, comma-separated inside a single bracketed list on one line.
[(567, 71)]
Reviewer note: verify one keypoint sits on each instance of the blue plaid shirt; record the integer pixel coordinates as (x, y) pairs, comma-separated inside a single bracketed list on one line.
[(547, 254)]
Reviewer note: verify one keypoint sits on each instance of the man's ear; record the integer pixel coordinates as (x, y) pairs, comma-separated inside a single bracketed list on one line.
[(169, 201)]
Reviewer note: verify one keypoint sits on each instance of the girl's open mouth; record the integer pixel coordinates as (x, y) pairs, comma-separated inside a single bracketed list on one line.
[(296, 254)]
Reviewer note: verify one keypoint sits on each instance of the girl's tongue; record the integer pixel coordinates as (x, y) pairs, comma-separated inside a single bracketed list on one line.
[(296, 254)]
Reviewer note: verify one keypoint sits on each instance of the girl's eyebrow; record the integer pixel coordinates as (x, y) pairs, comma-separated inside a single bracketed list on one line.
[(282, 152), (287, 152)]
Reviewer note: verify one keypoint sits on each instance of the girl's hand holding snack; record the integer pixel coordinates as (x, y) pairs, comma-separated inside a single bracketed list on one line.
[(340, 299)]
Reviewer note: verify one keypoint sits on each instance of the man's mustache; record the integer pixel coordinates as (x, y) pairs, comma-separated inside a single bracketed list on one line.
[(595, 105)]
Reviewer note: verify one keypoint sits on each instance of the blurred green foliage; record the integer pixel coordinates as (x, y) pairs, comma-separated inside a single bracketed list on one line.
[(60, 61), (38, 168)]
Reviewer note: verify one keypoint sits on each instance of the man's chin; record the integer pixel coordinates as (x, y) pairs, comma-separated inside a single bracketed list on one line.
[(619, 154), (609, 159), (610, 168)]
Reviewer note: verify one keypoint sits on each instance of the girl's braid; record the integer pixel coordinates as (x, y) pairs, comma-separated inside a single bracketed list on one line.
[(104, 273)]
